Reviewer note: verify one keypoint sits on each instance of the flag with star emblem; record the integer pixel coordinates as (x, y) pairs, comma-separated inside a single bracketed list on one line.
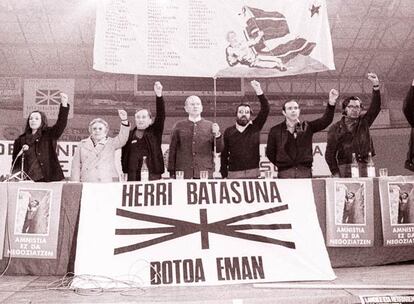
[(213, 38)]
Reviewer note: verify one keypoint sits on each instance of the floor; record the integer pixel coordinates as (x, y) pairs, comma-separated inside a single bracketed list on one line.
[(350, 283)]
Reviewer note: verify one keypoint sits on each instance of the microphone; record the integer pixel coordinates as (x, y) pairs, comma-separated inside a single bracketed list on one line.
[(24, 148)]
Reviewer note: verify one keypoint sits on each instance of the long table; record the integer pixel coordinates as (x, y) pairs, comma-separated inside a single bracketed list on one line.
[(69, 220)]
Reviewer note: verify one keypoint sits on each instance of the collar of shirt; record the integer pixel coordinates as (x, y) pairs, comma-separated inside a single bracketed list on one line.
[(101, 142), (197, 119), (291, 126), (350, 123), (242, 128)]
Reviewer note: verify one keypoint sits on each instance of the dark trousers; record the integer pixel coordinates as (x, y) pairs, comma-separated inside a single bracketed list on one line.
[(295, 172), (345, 170), (136, 176)]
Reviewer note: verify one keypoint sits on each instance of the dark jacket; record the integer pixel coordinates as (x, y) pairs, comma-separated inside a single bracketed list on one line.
[(241, 150), (153, 138), (276, 150), (341, 143), (408, 109), (42, 151)]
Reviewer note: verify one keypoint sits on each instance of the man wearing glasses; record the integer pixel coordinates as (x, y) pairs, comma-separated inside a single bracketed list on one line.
[(351, 134)]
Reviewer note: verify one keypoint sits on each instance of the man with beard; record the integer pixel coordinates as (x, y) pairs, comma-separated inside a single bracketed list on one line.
[(240, 156), (289, 145), (351, 134)]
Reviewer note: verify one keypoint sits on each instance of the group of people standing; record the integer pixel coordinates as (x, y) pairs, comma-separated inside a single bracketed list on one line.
[(195, 141)]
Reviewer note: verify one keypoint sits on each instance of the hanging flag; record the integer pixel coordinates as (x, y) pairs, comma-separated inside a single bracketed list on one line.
[(349, 213), (213, 38), (397, 210), (47, 97), (44, 95)]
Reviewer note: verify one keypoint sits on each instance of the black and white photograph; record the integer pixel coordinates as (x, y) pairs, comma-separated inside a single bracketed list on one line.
[(206, 151), (33, 212)]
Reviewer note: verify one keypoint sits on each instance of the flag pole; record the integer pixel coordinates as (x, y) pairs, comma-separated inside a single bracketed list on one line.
[(215, 109), (215, 156), (215, 98)]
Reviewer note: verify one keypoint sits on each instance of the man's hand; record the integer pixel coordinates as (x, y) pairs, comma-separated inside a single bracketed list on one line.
[(333, 96), (64, 99), (373, 78), (215, 129), (256, 87), (158, 88), (123, 115), (413, 83)]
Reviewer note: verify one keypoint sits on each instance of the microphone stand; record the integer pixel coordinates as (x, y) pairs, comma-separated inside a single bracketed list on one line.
[(18, 176)]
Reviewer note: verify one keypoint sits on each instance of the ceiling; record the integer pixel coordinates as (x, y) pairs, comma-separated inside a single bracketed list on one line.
[(54, 38)]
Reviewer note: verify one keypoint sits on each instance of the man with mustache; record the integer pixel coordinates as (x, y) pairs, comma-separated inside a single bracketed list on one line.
[(240, 155), (351, 134), (289, 144)]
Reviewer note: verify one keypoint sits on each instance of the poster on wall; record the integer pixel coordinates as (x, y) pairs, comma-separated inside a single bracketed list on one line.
[(349, 213), (213, 38), (198, 233), (33, 220), (44, 95), (397, 210), (10, 87)]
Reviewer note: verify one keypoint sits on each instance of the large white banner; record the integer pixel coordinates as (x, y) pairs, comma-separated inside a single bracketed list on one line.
[(202, 232), (213, 38)]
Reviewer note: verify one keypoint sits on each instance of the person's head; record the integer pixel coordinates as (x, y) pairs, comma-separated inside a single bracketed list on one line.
[(404, 195), (232, 38), (246, 12), (37, 120), (291, 110), (98, 129), (143, 118), (350, 195), (352, 107), (33, 203), (243, 114), (193, 106)]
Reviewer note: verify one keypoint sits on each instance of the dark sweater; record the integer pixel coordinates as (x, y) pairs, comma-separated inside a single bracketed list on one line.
[(285, 151), (152, 138), (241, 149), (191, 148), (341, 142), (41, 162)]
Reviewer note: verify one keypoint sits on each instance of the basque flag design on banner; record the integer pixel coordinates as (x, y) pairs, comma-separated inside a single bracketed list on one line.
[(213, 38)]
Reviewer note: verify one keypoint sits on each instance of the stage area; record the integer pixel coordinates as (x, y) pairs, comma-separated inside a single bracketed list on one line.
[(345, 289)]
